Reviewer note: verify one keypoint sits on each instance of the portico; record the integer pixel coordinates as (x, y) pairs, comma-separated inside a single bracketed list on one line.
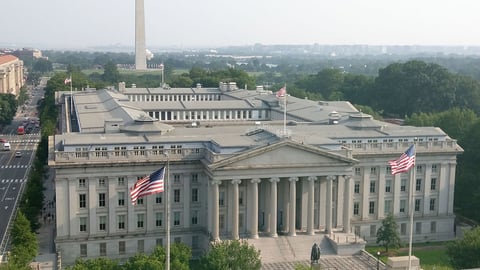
[(301, 195)]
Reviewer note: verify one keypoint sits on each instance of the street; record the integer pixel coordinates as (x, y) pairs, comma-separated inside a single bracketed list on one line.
[(16, 163)]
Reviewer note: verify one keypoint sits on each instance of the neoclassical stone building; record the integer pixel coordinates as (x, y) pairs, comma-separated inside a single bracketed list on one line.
[(11, 74), (235, 170)]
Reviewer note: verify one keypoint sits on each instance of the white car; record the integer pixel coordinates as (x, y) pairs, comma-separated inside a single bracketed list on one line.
[(18, 154)]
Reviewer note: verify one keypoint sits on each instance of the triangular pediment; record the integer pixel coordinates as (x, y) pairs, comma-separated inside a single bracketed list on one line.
[(284, 154)]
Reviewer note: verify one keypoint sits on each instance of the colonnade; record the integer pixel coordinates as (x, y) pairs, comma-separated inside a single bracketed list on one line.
[(271, 205)]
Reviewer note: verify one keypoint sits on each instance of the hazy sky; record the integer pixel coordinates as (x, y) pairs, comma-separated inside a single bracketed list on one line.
[(195, 23)]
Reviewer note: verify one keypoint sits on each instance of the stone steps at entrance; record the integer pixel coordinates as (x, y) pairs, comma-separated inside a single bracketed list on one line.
[(290, 248), (284, 252)]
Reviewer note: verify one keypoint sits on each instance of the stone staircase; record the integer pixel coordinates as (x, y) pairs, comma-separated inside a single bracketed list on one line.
[(290, 249)]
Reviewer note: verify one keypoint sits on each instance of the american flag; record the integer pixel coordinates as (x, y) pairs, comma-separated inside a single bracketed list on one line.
[(148, 185), (404, 162), (282, 92)]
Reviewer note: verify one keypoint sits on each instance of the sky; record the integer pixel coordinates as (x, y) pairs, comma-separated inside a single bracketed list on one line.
[(53, 24)]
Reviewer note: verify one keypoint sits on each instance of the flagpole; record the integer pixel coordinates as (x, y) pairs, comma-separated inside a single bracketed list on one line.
[(167, 200), (412, 181), (71, 96), (285, 112)]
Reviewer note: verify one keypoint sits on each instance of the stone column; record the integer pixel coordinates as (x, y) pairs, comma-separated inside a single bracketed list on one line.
[(273, 206), (215, 212), (293, 193), (328, 221), (311, 201), (254, 225), (347, 206), (235, 183)]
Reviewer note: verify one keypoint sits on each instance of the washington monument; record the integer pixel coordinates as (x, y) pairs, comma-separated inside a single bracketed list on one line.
[(140, 56)]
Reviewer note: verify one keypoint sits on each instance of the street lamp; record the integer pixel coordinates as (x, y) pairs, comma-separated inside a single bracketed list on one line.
[(378, 260)]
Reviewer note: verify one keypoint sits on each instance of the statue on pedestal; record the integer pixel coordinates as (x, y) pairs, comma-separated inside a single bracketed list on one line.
[(315, 254)]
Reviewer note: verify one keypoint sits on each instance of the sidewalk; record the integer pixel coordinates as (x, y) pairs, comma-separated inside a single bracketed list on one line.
[(46, 259)]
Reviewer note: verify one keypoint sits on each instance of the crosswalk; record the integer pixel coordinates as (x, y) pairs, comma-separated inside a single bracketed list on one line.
[(14, 166), (6, 181), (24, 141)]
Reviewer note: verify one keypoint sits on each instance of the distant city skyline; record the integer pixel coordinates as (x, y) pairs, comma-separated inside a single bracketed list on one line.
[(57, 24)]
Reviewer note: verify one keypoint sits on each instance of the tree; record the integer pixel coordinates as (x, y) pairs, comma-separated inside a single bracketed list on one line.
[(387, 234), (110, 73), (42, 66), (463, 253), (24, 242), (234, 254), (95, 264)]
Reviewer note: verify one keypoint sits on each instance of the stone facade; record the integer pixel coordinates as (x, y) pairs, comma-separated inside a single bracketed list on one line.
[(11, 74), (237, 178)]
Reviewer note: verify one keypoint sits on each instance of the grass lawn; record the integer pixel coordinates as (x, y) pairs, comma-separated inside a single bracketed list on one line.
[(432, 256)]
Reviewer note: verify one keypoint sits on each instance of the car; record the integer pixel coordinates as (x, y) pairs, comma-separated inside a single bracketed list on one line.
[(18, 154)]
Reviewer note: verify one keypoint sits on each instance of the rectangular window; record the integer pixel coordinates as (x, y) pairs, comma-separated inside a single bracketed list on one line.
[(158, 198), (81, 182), (240, 198), (177, 239), (356, 208), (121, 247), (358, 171), (158, 219), (121, 181), (389, 170), (101, 199), (102, 223), (121, 198), (140, 220), (221, 198), (140, 246), (373, 230), (419, 168), (417, 205), (176, 218), (194, 177), (433, 183), (388, 207), (432, 204), (388, 186), (83, 250), (121, 222), (373, 171), (402, 206), (403, 229), (140, 201), (101, 182), (403, 185), (194, 217), (434, 168), (418, 228), (371, 207), (418, 184), (82, 199), (356, 187), (103, 249), (176, 178), (433, 227), (83, 224), (194, 194), (176, 195), (373, 185)]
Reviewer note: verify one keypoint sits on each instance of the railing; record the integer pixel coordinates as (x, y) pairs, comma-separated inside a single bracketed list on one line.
[(140, 155), (399, 147)]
